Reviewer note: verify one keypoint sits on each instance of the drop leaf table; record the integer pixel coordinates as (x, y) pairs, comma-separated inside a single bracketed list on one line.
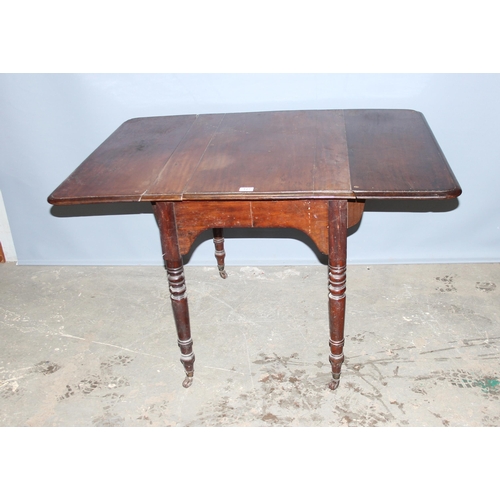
[(307, 170)]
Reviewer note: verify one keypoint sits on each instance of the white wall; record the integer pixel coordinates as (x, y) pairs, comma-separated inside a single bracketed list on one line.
[(49, 123), (9, 250)]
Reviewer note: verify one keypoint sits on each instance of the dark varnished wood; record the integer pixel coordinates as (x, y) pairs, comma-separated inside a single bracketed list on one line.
[(181, 222), (274, 155), (309, 216), (165, 217), (184, 162), (321, 154), (393, 153), (307, 170), (292, 154), (127, 164), (337, 262), (220, 253)]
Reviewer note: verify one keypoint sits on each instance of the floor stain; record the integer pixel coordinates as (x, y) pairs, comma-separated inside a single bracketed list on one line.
[(69, 392), (269, 417), (491, 421), (485, 286), (431, 359), (11, 386), (368, 418), (154, 412), (106, 379), (446, 423), (285, 394), (46, 367), (108, 420), (10, 389), (446, 284), (463, 379)]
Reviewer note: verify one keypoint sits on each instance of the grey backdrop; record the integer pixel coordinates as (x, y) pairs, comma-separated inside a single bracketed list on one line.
[(50, 123)]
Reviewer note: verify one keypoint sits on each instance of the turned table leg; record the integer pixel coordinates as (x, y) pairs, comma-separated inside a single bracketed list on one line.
[(337, 257), (220, 253), (165, 216)]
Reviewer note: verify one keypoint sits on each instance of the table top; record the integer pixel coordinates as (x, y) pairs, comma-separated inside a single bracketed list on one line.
[(316, 154)]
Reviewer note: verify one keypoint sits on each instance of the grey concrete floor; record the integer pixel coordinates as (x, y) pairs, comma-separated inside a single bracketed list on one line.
[(96, 346)]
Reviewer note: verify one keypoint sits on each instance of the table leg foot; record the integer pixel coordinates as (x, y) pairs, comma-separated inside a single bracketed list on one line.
[(336, 363), (188, 380), (334, 384), (220, 253)]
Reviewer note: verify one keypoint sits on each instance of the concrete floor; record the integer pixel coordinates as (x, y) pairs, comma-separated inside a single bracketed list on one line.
[(84, 346)]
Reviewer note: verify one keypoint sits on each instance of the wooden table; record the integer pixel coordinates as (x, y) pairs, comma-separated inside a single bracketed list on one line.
[(308, 170)]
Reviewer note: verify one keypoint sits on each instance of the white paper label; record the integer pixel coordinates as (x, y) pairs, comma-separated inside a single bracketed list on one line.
[(246, 188)]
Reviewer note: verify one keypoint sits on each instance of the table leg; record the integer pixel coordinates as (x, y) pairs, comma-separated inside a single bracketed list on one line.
[(165, 216), (220, 253), (337, 258)]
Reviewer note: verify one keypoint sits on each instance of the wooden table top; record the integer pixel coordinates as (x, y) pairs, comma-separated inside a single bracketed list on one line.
[(320, 154)]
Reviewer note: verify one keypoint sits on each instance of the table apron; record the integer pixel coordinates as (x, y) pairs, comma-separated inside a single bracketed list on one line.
[(309, 216)]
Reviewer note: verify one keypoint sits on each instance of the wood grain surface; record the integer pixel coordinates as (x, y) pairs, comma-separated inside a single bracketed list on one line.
[(319, 154), (393, 153), (308, 216)]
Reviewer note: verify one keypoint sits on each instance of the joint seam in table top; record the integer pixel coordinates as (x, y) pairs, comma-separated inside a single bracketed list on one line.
[(203, 154), (149, 189), (263, 195)]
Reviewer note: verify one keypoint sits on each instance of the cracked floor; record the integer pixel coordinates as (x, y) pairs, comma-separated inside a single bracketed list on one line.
[(96, 346)]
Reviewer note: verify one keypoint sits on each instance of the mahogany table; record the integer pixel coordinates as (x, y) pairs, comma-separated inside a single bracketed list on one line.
[(308, 170)]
